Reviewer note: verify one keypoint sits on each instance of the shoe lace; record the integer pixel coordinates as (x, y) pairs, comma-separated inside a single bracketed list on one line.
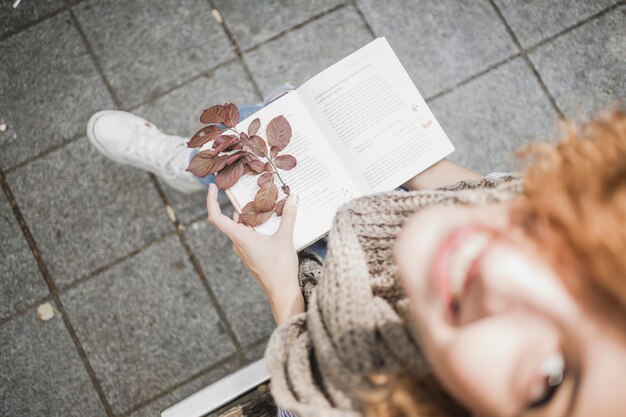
[(153, 146)]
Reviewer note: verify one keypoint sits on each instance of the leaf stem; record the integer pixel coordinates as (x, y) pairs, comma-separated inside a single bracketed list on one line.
[(266, 157)]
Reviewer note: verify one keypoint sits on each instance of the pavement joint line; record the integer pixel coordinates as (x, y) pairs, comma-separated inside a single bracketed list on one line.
[(248, 71), (161, 94), (473, 76), (199, 272), (197, 219), (68, 3), (29, 25), (529, 63), (46, 152), (575, 26), (88, 276), (235, 46), (111, 264), (230, 358), (94, 58), (43, 268), (256, 344), (81, 134), (365, 22), (295, 27), (83, 357), (235, 357), (521, 52), (23, 310)]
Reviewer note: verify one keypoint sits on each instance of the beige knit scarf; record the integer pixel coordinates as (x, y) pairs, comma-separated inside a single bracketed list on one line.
[(356, 323)]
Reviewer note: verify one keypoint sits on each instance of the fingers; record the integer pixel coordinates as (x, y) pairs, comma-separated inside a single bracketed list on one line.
[(288, 219), (216, 218)]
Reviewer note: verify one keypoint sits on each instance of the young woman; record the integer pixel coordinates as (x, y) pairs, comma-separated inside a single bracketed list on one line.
[(516, 292), (466, 296)]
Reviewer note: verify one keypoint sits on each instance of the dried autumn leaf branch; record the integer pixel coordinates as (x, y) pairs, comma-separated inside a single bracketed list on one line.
[(232, 156)]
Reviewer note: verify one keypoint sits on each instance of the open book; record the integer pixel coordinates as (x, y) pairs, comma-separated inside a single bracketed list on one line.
[(359, 127)]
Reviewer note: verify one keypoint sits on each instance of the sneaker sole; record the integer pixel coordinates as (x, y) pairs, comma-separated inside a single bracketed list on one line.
[(180, 185)]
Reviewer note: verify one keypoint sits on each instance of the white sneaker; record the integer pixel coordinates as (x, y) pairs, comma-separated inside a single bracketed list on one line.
[(132, 140)]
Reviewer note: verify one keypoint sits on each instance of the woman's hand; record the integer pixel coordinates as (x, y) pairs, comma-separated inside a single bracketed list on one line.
[(272, 260)]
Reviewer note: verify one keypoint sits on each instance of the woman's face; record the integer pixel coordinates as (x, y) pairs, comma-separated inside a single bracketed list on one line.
[(502, 332)]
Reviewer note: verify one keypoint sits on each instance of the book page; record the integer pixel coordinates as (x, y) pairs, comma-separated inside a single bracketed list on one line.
[(318, 178), (374, 118)]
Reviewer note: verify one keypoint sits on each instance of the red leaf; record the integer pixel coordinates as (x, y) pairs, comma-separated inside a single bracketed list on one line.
[(256, 165), (226, 143), (265, 178), (254, 126), (232, 115), (252, 217), (249, 208), (203, 164), (229, 176), (214, 114), (285, 162), (266, 197), (273, 152), (262, 218), (243, 136), (251, 157), (235, 145), (204, 135), (248, 171), (278, 132), (221, 139), (258, 145), (248, 213), (268, 167), (235, 157), (279, 207)]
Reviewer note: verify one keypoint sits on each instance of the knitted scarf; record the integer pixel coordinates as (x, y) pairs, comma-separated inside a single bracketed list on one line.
[(357, 319)]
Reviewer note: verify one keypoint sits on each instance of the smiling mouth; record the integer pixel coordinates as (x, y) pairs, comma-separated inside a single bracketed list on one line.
[(456, 263)]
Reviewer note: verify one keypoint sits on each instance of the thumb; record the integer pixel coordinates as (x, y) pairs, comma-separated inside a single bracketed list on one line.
[(288, 219)]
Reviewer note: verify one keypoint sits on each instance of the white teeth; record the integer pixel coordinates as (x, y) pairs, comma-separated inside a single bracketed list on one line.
[(462, 261)]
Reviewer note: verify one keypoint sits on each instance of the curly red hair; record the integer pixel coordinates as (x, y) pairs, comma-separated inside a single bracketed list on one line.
[(574, 204)]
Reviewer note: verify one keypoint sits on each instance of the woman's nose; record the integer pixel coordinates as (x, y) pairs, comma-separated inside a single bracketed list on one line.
[(479, 301)]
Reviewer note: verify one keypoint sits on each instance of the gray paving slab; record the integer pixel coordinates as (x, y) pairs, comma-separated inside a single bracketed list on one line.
[(148, 47), (85, 210), (535, 20), (21, 282), (12, 19), (256, 352), (178, 113), (146, 324), (251, 28), (304, 52), (585, 70), (440, 43), (243, 301), (492, 116), (42, 374), (155, 407), (48, 89)]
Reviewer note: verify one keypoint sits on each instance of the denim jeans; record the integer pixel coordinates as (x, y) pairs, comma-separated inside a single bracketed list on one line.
[(319, 247)]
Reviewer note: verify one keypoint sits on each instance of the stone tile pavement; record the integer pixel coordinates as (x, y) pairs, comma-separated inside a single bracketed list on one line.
[(149, 307)]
